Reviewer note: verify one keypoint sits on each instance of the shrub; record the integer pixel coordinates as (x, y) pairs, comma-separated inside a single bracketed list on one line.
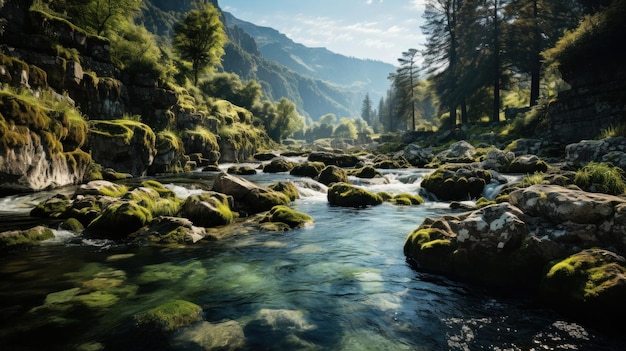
[(601, 177)]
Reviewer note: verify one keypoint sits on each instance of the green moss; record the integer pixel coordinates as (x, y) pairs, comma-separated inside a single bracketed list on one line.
[(54, 207), (286, 188), (170, 316), (73, 225), (123, 129), (288, 216), (208, 210), (25, 237), (535, 178), (308, 169), (436, 244), (367, 172), (120, 219), (346, 195), (407, 199), (333, 174), (385, 196), (484, 202)]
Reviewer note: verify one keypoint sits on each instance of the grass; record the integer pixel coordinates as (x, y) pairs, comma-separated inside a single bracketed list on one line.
[(601, 177)]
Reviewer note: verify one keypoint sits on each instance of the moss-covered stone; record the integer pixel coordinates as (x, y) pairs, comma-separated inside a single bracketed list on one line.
[(120, 219), (262, 199), (367, 172), (286, 188), (169, 316), (333, 174), (169, 230), (589, 284), (22, 238), (288, 216), (73, 225), (385, 196), (308, 169), (208, 210), (407, 199), (242, 170), (278, 165), (54, 207), (346, 195), (102, 187), (450, 183)]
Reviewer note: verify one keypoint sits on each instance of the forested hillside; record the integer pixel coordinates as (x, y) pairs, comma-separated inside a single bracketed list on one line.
[(337, 85)]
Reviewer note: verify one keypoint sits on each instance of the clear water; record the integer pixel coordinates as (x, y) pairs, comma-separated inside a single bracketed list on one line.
[(341, 284)]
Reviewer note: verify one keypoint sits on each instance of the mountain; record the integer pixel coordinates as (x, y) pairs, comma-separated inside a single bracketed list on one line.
[(316, 80), (365, 76)]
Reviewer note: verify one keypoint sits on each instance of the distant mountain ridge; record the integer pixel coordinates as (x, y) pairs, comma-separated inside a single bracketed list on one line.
[(317, 80), (318, 63)]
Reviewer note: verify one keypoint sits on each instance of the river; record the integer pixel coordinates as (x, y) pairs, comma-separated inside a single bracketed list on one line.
[(341, 284)]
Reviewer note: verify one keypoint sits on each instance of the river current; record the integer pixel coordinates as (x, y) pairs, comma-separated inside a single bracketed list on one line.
[(340, 284)]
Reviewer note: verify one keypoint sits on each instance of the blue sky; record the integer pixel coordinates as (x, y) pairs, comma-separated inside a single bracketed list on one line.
[(373, 29)]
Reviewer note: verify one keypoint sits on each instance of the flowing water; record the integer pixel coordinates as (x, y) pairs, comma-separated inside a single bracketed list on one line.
[(341, 284)]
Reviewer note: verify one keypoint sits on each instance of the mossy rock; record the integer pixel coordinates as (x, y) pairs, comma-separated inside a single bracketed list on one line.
[(288, 216), (385, 196), (102, 187), (278, 165), (346, 195), (367, 172), (150, 198), (169, 316), (308, 169), (120, 219), (406, 199), (286, 188), (73, 225), (54, 207), (262, 199), (208, 210), (169, 230), (112, 175), (484, 202), (243, 170), (457, 184), (588, 285), (23, 238), (333, 174)]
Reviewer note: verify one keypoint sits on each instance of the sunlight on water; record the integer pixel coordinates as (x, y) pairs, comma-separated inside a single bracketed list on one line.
[(342, 284)]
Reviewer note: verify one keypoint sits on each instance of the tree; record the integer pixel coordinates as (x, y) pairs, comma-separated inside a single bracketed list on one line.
[(99, 15), (346, 129), (405, 80), (367, 113), (280, 119), (200, 38), (442, 51)]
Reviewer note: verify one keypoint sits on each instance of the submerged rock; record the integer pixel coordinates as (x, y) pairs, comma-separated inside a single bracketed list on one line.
[(224, 336), (169, 316), (288, 216), (169, 230)]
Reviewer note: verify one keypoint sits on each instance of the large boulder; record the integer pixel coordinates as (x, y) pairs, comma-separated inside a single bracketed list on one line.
[(248, 197), (498, 160), (457, 183), (333, 174), (346, 195), (124, 145), (209, 209), (307, 169), (589, 285), (277, 165), (491, 246), (287, 216), (24, 238), (119, 220)]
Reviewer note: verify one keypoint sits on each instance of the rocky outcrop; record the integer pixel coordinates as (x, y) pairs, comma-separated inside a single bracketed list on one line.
[(611, 150), (564, 245), (32, 156), (124, 145)]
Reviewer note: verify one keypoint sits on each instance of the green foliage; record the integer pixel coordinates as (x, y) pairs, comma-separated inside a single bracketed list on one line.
[(614, 131), (346, 129), (228, 86), (98, 16), (136, 51), (199, 38), (601, 177), (280, 119), (532, 179)]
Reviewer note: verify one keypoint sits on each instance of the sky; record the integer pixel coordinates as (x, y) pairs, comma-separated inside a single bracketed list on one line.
[(367, 29)]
